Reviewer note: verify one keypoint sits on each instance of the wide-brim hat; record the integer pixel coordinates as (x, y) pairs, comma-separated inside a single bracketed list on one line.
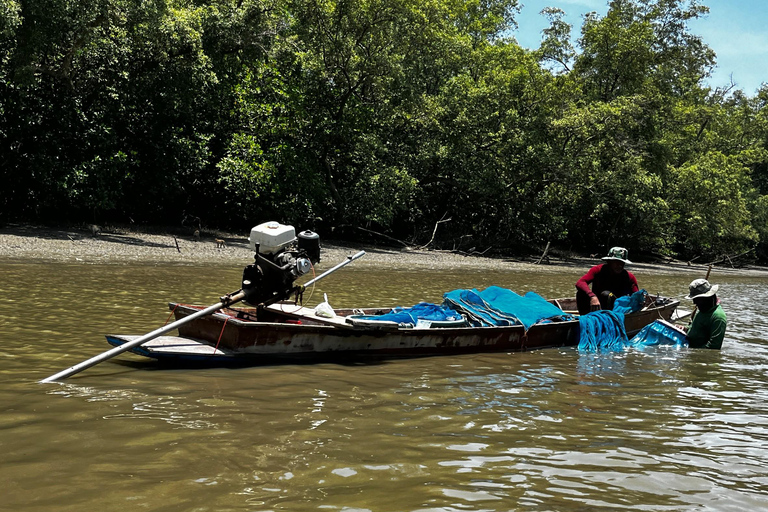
[(618, 254), (701, 288)]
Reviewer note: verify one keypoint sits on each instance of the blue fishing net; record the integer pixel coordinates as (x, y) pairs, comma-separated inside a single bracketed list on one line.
[(602, 330), (411, 316), (630, 303), (659, 333), (496, 306)]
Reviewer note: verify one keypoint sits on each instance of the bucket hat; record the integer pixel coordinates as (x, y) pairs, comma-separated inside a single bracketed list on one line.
[(618, 254), (701, 288)]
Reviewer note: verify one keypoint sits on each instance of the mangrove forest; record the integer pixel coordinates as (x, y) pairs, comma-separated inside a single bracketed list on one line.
[(422, 121)]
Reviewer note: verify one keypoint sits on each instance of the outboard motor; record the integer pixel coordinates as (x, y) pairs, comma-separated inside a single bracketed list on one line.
[(280, 258)]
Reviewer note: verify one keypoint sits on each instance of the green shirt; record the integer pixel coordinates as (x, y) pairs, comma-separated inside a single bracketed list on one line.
[(707, 329)]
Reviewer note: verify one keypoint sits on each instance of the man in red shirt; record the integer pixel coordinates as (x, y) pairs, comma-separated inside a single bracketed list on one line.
[(608, 280)]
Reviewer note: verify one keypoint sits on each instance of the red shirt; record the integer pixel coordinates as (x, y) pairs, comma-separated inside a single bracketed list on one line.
[(601, 277)]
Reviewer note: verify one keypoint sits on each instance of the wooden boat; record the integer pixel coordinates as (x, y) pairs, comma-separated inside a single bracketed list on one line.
[(276, 330), (284, 331)]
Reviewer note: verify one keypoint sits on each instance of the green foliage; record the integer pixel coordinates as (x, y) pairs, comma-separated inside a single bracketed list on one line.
[(640, 112), (709, 198), (556, 45), (388, 114), (612, 191), (10, 20)]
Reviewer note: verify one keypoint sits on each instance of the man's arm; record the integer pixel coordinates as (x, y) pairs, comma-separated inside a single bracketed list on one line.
[(633, 282), (716, 334), (583, 283)]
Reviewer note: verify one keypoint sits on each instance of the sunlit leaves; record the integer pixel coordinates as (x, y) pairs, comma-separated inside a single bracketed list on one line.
[(709, 197), (10, 20), (393, 114), (556, 46)]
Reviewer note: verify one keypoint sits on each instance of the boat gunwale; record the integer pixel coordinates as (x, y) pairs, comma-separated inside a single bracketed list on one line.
[(255, 323)]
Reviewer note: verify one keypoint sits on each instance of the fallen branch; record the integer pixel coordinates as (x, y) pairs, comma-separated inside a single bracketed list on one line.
[(482, 253), (382, 235), (544, 254), (467, 253), (461, 239), (731, 258), (663, 257), (434, 231)]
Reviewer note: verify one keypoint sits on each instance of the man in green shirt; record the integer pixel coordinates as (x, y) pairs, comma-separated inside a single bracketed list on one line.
[(708, 326)]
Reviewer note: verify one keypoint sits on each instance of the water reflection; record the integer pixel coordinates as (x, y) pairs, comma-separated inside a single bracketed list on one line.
[(661, 429), (169, 409)]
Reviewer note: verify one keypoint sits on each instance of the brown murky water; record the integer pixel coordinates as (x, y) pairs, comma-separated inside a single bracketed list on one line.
[(548, 430)]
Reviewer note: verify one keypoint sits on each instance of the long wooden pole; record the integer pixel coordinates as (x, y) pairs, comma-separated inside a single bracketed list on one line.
[(349, 259), (693, 311), (226, 301)]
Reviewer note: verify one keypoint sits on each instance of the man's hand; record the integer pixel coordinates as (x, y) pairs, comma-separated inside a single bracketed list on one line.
[(594, 303)]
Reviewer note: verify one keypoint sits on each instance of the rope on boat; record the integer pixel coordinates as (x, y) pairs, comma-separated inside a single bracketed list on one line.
[(221, 334), (172, 312)]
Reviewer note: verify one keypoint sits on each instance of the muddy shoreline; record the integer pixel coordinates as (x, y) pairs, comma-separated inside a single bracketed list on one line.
[(34, 243)]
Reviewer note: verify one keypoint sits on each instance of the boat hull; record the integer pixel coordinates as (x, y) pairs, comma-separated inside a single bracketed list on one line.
[(284, 339), (287, 332)]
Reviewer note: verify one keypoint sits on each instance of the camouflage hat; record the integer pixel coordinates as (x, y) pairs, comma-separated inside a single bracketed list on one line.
[(701, 288), (618, 254)]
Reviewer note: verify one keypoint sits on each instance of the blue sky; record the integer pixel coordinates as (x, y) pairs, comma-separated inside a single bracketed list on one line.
[(737, 30)]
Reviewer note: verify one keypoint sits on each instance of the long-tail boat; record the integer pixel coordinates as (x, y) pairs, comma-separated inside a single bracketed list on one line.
[(275, 329), (285, 331)]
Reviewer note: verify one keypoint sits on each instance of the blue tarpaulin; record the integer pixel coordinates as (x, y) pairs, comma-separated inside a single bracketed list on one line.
[(478, 312), (496, 306), (411, 316), (659, 333)]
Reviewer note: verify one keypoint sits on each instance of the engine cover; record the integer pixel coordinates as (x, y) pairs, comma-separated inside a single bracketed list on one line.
[(271, 237)]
